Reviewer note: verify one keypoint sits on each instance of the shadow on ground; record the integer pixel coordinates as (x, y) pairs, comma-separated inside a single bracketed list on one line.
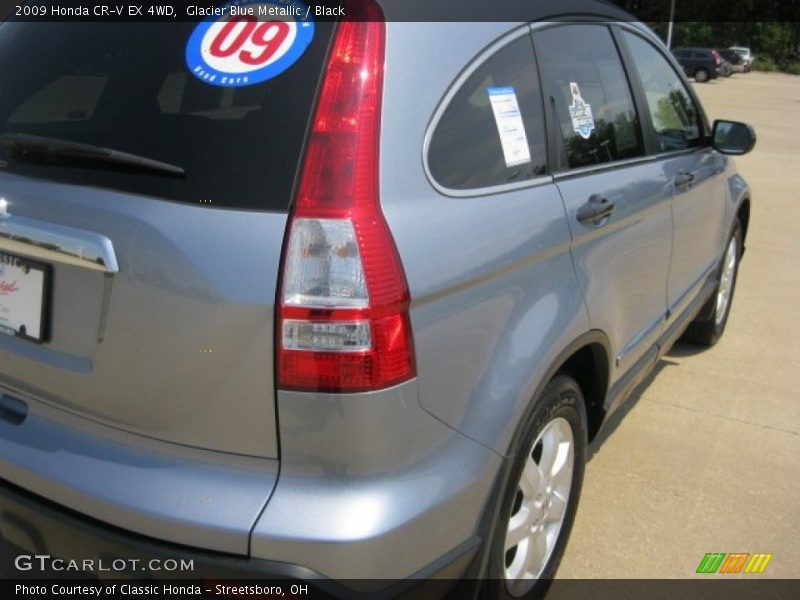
[(679, 350)]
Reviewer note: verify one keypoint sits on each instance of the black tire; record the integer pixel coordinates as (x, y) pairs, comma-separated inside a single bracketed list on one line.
[(701, 76), (707, 329), (561, 399)]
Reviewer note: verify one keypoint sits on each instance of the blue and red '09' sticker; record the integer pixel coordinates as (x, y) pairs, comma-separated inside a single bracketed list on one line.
[(255, 41)]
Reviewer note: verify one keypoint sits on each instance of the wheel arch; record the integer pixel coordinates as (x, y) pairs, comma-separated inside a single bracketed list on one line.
[(743, 214), (589, 366), (587, 359), (739, 194)]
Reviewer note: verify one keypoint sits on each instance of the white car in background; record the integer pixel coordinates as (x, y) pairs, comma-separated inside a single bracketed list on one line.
[(746, 55)]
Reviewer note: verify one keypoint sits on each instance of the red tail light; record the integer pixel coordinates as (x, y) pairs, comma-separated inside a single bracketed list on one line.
[(343, 323)]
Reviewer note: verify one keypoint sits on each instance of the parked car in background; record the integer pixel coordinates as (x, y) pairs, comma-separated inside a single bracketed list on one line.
[(746, 55), (334, 310), (724, 68), (737, 62), (699, 63)]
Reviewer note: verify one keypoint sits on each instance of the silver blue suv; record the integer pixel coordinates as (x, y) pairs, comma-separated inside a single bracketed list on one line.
[(341, 301)]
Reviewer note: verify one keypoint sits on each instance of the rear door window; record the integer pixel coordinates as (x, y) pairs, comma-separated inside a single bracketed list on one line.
[(673, 113), (128, 86), (492, 131), (589, 94)]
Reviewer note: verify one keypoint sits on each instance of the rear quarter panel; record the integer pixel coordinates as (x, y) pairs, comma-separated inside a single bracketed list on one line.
[(494, 292)]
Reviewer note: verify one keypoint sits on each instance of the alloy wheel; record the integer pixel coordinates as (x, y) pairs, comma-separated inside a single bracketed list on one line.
[(540, 506)]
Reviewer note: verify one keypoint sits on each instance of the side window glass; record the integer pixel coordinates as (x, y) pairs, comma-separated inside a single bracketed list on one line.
[(672, 111), (492, 131), (586, 85)]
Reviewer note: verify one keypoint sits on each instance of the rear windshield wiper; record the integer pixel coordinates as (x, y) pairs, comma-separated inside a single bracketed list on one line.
[(29, 147)]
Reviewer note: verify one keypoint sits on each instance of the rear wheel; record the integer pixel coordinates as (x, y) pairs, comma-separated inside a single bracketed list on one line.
[(701, 76), (541, 496), (707, 328)]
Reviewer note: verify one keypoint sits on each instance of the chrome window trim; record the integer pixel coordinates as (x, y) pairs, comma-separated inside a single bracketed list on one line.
[(552, 176), (621, 164)]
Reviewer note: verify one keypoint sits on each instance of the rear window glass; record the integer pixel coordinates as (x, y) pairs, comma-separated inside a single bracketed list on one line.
[(492, 132), (128, 87)]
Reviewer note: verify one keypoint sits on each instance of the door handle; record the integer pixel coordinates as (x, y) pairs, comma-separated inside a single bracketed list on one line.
[(595, 210), (684, 180)]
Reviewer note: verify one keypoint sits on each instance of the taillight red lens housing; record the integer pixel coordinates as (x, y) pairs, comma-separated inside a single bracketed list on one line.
[(340, 180)]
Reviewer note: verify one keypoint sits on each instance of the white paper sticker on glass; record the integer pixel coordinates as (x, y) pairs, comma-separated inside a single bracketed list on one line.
[(581, 113), (509, 125)]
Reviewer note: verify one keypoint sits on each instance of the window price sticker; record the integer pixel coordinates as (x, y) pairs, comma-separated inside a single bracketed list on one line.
[(509, 125)]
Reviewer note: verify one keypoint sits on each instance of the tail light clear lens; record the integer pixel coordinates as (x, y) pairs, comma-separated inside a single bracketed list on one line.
[(323, 265), (327, 336), (343, 322)]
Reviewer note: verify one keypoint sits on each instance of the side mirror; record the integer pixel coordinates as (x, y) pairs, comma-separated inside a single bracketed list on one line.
[(732, 137)]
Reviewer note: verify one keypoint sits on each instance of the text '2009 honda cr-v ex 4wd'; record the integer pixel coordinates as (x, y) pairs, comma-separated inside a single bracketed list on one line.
[(342, 300)]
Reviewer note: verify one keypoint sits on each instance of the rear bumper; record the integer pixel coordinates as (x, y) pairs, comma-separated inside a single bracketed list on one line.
[(371, 488), (186, 496), (32, 528)]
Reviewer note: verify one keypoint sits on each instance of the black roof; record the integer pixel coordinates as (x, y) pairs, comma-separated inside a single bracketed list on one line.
[(500, 11)]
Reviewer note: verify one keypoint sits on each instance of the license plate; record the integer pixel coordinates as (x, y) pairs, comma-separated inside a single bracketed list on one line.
[(23, 297)]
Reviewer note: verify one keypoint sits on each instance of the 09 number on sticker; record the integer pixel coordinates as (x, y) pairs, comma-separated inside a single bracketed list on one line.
[(240, 35), (232, 50)]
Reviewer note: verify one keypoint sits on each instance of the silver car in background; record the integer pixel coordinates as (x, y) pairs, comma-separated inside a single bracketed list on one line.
[(342, 301), (746, 56)]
